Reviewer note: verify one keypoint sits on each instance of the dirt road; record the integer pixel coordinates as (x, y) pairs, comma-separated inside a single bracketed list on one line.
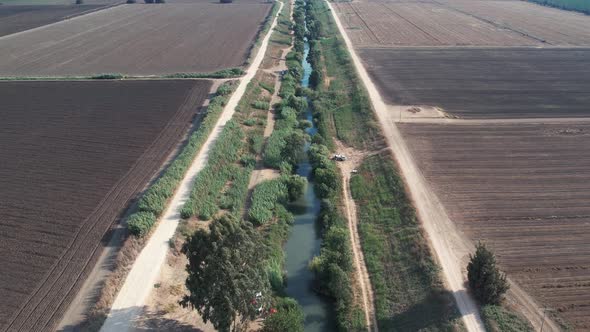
[(145, 271), (445, 240), (451, 247), (354, 160)]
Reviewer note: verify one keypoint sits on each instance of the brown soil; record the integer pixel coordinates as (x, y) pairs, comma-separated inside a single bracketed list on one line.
[(461, 23), (91, 151), (19, 18), (523, 189), (138, 40)]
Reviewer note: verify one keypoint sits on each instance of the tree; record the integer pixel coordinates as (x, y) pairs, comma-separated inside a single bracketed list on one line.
[(296, 186), (485, 279), (226, 271)]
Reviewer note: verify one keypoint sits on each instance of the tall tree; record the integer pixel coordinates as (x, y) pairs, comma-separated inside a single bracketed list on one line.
[(226, 272), (485, 279)]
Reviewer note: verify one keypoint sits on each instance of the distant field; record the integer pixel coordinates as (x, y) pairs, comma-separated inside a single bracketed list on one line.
[(420, 24), (578, 5), (549, 25), (461, 23), (19, 18), (524, 189), (138, 39), (487, 82), (73, 156)]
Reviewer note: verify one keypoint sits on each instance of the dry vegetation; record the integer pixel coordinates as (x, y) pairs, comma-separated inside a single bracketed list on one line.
[(72, 171), (139, 40), (524, 190)]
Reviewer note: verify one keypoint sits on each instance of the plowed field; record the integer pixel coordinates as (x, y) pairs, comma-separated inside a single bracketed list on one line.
[(19, 18), (137, 39), (551, 26), (486, 82), (420, 24), (73, 156), (461, 23), (524, 190)]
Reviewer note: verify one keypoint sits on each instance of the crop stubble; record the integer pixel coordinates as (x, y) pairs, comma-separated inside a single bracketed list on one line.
[(137, 40), (74, 155), (524, 190)]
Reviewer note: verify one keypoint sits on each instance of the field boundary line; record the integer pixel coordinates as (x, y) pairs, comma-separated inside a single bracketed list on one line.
[(499, 121), (432, 214), (145, 270)]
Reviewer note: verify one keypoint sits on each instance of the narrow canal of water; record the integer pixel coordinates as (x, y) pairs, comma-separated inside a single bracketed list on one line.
[(304, 242)]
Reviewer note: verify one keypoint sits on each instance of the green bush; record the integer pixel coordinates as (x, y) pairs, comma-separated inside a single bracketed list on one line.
[(296, 186), (485, 279), (250, 122), (265, 197), (261, 105), (288, 318), (496, 319), (140, 223), (114, 76)]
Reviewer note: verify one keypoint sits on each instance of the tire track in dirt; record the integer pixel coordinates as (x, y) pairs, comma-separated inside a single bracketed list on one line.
[(354, 159), (445, 240)]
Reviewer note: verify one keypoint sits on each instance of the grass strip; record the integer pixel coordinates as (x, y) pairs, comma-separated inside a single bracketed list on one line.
[(406, 284), (154, 199), (221, 74)]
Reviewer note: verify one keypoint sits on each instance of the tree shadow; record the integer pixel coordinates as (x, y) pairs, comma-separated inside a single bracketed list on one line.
[(147, 321), (436, 312)]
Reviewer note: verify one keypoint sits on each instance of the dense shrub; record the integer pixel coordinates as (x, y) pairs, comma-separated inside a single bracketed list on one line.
[(261, 105), (486, 281), (265, 198), (140, 223), (114, 76), (288, 318)]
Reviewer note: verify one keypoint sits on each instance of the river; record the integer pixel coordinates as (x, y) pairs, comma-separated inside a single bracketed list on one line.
[(304, 241)]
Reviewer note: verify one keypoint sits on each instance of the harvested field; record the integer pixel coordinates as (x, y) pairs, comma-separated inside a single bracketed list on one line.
[(19, 18), (524, 190), (138, 40), (549, 25), (486, 82), (75, 154), (421, 24)]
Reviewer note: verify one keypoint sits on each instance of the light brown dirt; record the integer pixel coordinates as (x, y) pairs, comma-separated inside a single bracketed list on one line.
[(449, 245), (136, 289), (523, 189), (354, 159)]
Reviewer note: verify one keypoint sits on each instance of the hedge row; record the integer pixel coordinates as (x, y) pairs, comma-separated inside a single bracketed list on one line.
[(154, 200), (221, 168)]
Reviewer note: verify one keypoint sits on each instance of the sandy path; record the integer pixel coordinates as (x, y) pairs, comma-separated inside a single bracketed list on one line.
[(445, 239), (354, 160), (145, 271)]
